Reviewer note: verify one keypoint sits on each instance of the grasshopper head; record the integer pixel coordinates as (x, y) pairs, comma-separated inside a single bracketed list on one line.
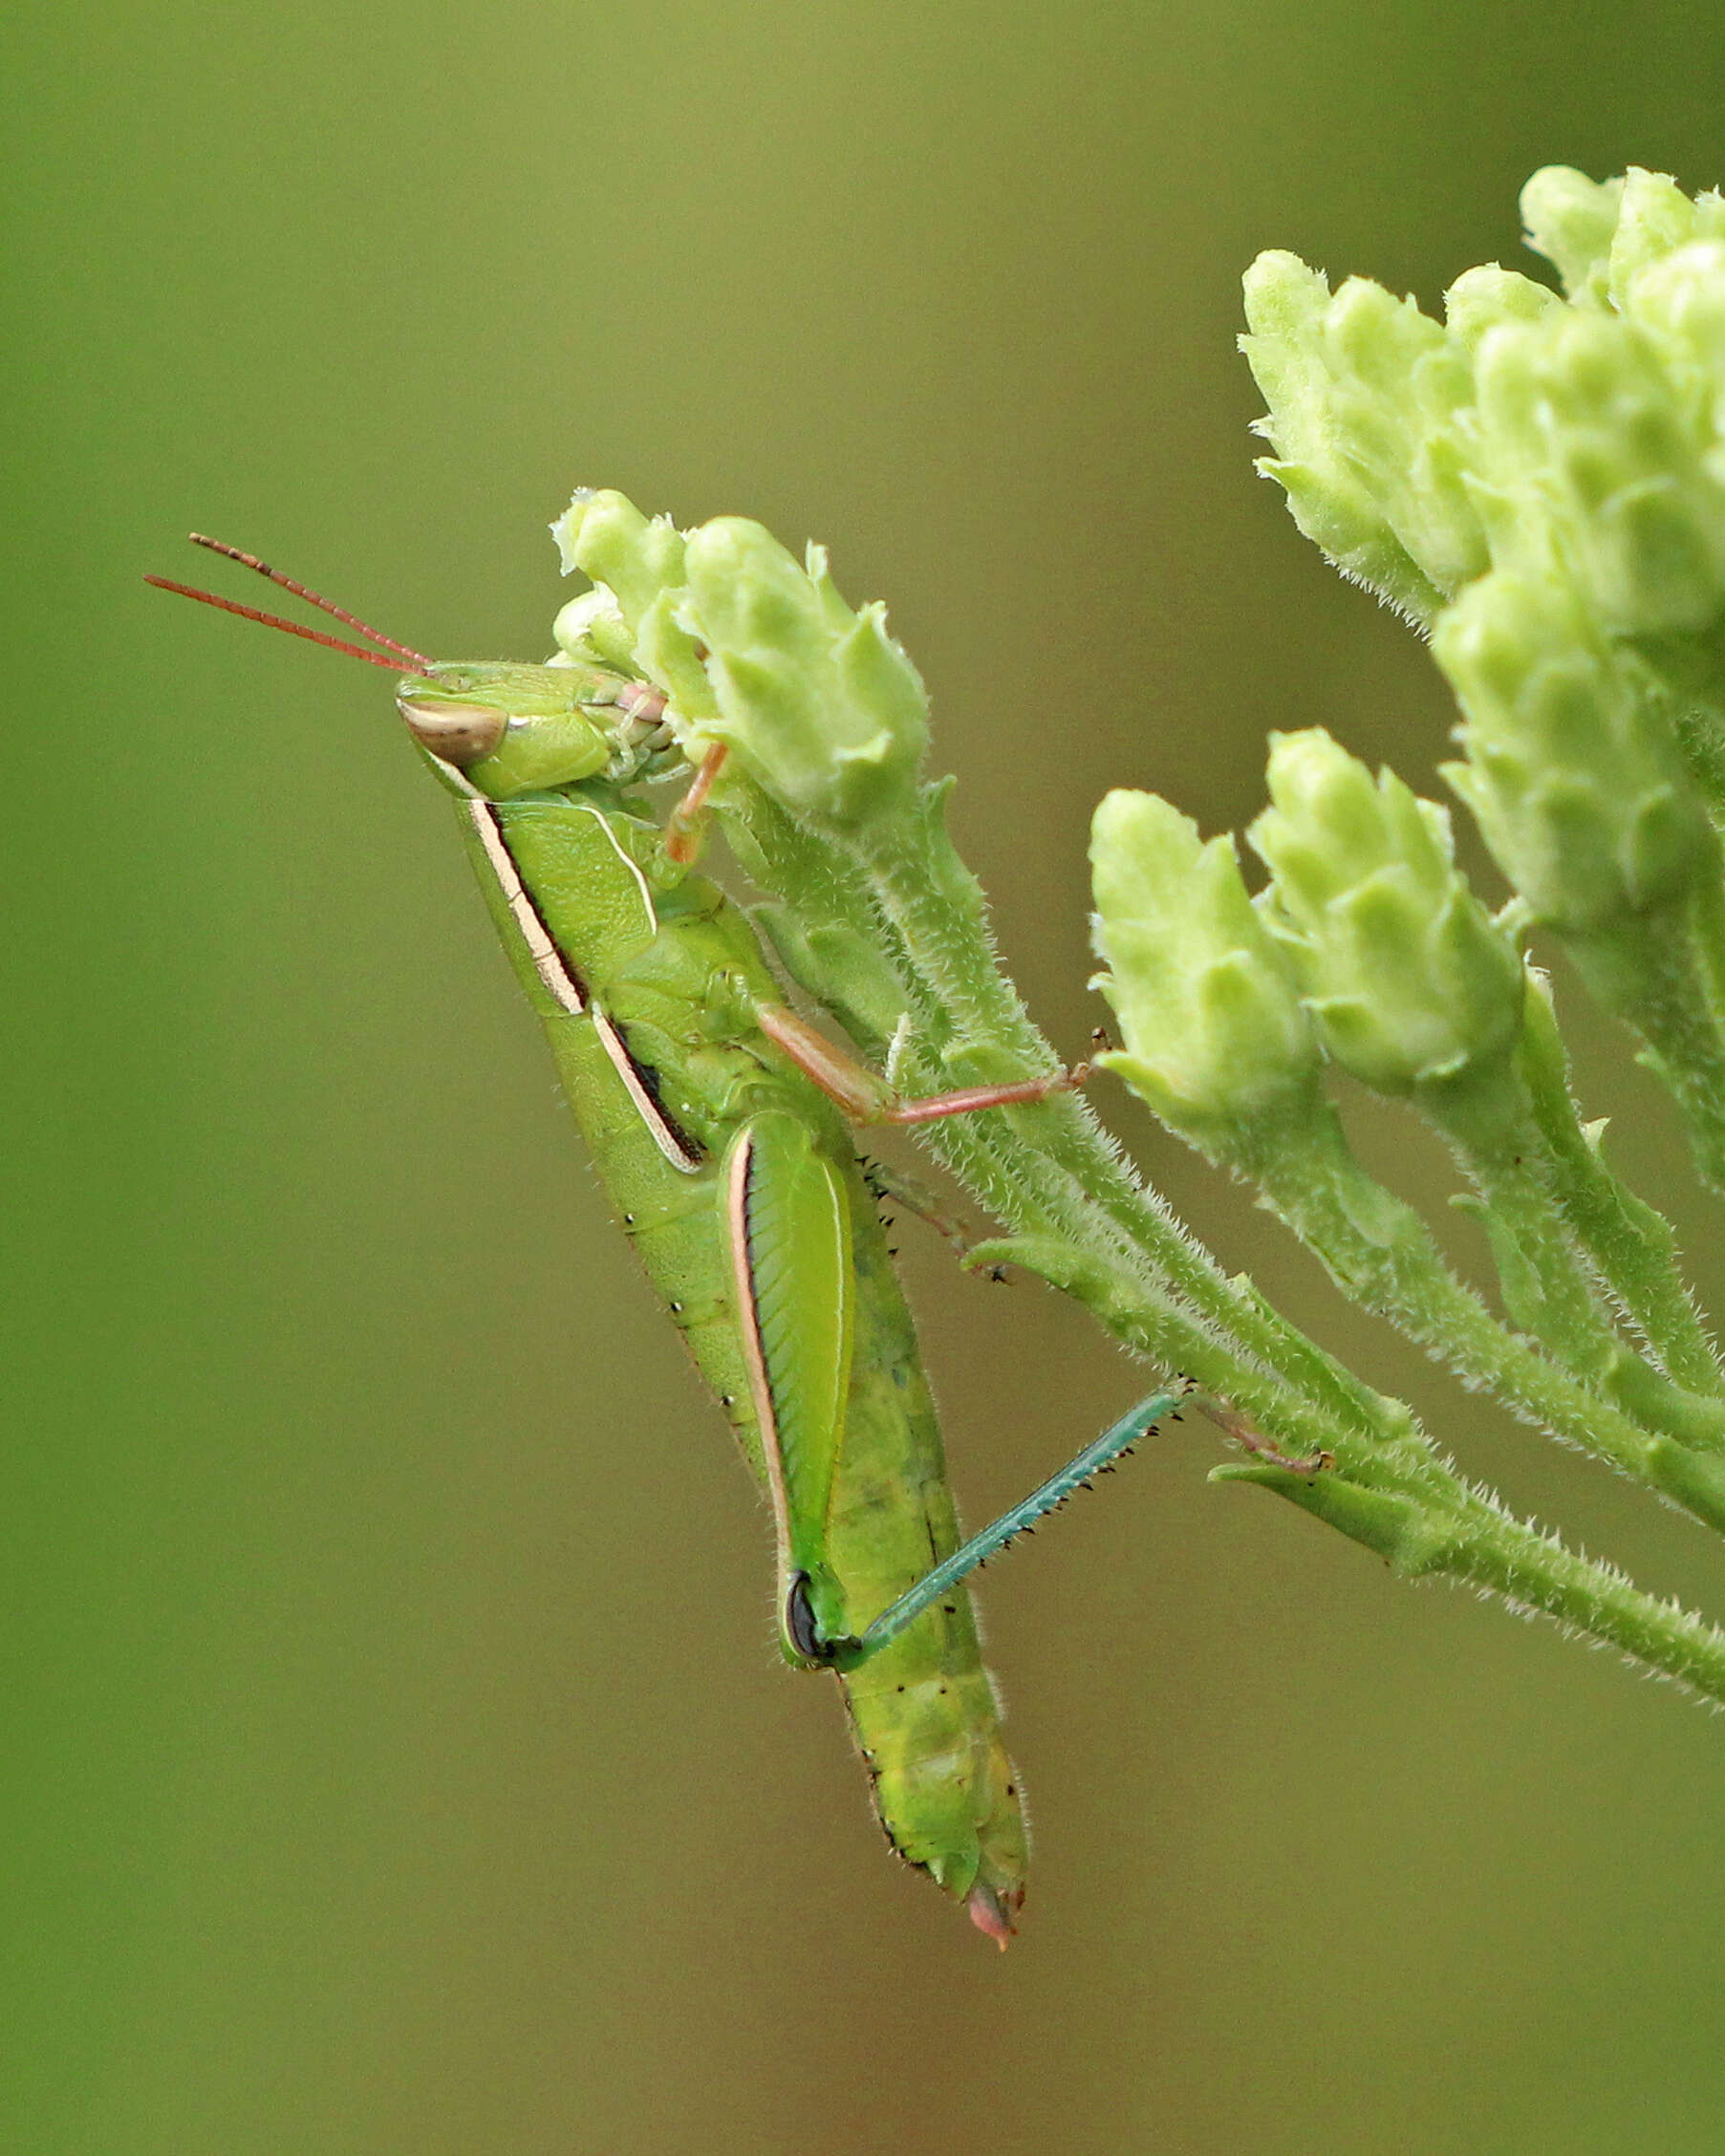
[(511, 729), (504, 729)]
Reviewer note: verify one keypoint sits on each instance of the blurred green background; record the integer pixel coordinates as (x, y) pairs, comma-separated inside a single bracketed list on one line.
[(397, 1755)]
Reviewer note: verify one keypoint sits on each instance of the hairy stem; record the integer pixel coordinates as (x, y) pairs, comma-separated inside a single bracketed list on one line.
[(1380, 1253), (1475, 1542), (1631, 1244), (1650, 973), (1548, 1289)]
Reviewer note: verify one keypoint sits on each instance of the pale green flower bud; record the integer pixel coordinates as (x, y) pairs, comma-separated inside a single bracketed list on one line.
[(1410, 980), (639, 562), (1488, 297), (1655, 219), (818, 701), (1403, 380), (665, 651), (1217, 1042), (1333, 501), (604, 535), (1679, 303), (591, 626), (1572, 221), (1599, 462), (1573, 769), (1364, 392)]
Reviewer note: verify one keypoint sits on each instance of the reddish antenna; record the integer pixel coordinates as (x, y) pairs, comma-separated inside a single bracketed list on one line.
[(418, 662)]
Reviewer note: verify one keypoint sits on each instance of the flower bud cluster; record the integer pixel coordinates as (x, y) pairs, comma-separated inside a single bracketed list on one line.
[(756, 652), (1408, 979), (1541, 480), (1368, 945), (1583, 439)]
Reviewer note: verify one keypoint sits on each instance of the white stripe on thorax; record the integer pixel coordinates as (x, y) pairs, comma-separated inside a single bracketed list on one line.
[(549, 962)]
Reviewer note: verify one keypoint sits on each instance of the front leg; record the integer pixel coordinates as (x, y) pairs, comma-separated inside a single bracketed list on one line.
[(865, 1098)]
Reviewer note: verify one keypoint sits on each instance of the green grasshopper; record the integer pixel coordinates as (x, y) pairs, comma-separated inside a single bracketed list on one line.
[(717, 1118)]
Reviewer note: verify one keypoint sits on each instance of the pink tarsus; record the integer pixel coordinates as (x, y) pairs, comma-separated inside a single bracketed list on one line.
[(682, 826)]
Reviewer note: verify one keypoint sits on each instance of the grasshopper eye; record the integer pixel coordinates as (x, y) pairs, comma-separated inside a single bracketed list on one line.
[(454, 733)]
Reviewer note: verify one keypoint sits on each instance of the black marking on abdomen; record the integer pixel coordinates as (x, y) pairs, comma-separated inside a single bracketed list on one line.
[(684, 1152)]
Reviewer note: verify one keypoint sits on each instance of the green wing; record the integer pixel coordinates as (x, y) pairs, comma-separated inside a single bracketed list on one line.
[(789, 1222)]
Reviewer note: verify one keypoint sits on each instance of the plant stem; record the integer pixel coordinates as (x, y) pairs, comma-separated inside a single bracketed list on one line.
[(1380, 1253), (1487, 1118), (1647, 971), (1478, 1542), (1632, 1245)]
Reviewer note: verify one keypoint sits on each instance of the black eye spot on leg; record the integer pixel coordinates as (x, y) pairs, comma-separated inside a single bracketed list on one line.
[(799, 1622)]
